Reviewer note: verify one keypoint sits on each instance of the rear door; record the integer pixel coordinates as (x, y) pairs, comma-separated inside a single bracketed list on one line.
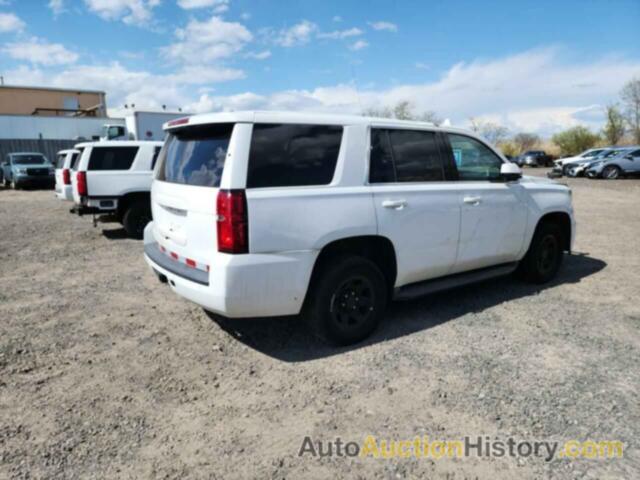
[(186, 185), (494, 213), (416, 208), (631, 164)]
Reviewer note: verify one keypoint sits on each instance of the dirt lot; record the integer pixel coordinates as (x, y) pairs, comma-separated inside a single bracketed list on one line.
[(104, 373)]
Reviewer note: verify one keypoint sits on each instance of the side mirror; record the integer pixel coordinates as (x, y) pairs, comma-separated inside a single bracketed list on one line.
[(629, 157), (510, 172)]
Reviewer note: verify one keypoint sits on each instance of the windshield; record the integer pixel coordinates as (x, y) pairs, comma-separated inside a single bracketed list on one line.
[(195, 155), (29, 160), (592, 153)]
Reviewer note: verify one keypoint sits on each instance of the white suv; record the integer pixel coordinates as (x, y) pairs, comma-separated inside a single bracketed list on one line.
[(113, 179), (64, 160), (267, 214)]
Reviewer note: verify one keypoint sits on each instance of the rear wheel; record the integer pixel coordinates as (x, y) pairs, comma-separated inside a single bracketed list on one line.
[(347, 300), (611, 172), (544, 257), (135, 219)]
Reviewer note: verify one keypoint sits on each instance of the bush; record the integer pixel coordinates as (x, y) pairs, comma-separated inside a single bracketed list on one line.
[(575, 140)]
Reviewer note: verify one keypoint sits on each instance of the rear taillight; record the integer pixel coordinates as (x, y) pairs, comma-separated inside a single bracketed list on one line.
[(81, 183), (232, 221), (66, 177)]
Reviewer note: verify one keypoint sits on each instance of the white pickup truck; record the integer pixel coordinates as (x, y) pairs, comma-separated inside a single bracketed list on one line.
[(114, 179), (266, 214)]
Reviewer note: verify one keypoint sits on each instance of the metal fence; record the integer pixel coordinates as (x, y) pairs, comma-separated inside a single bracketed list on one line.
[(47, 147)]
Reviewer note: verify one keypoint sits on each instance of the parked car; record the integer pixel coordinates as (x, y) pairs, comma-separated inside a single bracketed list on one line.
[(261, 214), (64, 160), (113, 179), (563, 165), (626, 161), (578, 168), (534, 158), (27, 168)]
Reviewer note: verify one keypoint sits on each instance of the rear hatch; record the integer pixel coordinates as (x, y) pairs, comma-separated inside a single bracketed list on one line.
[(185, 189)]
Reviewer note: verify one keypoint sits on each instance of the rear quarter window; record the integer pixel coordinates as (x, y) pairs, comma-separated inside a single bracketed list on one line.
[(284, 155), (112, 158), (75, 159)]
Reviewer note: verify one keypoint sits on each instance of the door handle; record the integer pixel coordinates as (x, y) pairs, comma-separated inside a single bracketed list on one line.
[(395, 204), (472, 200)]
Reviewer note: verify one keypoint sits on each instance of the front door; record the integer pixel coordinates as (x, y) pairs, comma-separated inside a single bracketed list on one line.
[(493, 213)]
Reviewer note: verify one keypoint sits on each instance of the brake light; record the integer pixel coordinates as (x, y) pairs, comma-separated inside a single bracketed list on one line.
[(179, 121), (81, 183), (66, 177), (232, 221)]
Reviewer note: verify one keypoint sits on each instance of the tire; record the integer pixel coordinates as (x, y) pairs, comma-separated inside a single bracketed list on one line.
[(14, 185), (565, 170), (611, 172), (545, 254), (135, 218), (363, 289)]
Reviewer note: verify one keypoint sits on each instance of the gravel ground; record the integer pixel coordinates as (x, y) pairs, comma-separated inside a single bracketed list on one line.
[(104, 373)]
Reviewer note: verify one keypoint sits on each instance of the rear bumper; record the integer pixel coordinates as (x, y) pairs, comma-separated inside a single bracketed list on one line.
[(236, 286), (64, 192)]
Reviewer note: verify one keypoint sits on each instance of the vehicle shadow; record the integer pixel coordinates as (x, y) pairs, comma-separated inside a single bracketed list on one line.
[(288, 339), (115, 233)]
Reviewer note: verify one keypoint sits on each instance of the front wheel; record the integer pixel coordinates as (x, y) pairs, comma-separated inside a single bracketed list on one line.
[(347, 300), (544, 257), (135, 219), (14, 184)]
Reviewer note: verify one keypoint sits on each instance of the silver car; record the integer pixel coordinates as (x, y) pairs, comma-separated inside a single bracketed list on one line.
[(626, 161)]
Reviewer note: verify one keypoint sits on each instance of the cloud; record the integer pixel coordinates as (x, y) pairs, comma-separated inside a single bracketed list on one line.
[(131, 12), (38, 51), (340, 34), (359, 45), (506, 90), (219, 6), (298, 34), (56, 6), (386, 26), (9, 22), (422, 66), (259, 55), (337, 18), (209, 40)]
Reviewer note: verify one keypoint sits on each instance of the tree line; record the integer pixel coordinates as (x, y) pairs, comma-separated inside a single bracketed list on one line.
[(622, 126)]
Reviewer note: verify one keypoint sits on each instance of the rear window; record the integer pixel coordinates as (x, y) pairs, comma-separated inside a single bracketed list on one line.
[(285, 155), (112, 158), (75, 158), (195, 155)]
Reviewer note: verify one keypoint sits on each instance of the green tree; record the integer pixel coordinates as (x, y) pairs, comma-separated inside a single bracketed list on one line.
[(403, 110), (614, 129), (630, 95), (575, 140)]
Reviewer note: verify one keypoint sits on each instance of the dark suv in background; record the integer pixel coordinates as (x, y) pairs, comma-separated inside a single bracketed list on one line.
[(534, 158)]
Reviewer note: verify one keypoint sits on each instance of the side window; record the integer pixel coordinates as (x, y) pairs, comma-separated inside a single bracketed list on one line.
[(60, 160), (416, 156), (112, 158), (381, 169), (75, 159), (156, 152), (473, 159), (404, 156), (284, 155)]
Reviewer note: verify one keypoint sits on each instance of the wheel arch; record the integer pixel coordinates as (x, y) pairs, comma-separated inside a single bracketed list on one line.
[(376, 248), (563, 220)]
